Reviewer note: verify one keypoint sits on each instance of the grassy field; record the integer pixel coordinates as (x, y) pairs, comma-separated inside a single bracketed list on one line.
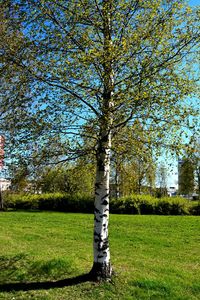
[(42, 256)]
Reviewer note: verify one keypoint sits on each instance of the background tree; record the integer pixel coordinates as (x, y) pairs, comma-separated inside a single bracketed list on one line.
[(102, 63), (195, 157), (162, 180), (186, 176), (20, 172), (189, 167), (132, 159), (72, 178)]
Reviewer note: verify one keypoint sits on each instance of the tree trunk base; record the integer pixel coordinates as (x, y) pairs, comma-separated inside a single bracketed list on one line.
[(101, 271)]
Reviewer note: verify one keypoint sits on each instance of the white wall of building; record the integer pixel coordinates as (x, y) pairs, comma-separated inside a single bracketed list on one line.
[(4, 184)]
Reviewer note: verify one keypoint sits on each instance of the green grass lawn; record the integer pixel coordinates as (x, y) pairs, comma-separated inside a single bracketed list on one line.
[(154, 257)]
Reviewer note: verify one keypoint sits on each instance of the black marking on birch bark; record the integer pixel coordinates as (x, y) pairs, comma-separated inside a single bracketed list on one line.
[(104, 196), (106, 210), (100, 241), (100, 256), (97, 234), (105, 202), (97, 185), (104, 215), (96, 193), (96, 220), (104, 139), (101, 165), (105, 227), (105, 245), (96, 210)]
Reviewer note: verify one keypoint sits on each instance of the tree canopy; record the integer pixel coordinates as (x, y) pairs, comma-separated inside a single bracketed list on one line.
[(56, 51)]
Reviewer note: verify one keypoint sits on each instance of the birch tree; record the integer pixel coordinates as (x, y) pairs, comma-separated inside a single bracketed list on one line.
[(101, 64)]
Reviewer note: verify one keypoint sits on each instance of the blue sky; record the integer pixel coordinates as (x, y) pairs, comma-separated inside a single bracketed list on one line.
[(194, 2)]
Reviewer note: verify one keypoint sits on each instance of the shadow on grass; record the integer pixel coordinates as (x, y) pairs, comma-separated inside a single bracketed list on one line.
[(25, 275), (46, 285)]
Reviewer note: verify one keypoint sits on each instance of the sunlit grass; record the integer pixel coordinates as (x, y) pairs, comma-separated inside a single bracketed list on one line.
[(154, 257)]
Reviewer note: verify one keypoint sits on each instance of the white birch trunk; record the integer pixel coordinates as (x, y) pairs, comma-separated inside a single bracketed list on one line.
[(102, 266)]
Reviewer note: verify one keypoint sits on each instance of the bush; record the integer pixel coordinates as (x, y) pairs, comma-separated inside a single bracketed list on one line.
[(146, 207), (146, 204), (195, 209), (124, 205), (172, 206), (51, 201), (133, 204)]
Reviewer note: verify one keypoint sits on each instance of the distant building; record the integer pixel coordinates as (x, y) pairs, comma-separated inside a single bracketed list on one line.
[(171, 191), (4, 184)]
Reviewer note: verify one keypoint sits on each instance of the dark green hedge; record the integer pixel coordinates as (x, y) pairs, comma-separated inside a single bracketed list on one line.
[(134, 204), (146, 204), (51, 202)]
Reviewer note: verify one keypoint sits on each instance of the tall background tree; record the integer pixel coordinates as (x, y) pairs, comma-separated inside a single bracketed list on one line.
[(162, 180), (98, 65), (189, 168), (186, 176)]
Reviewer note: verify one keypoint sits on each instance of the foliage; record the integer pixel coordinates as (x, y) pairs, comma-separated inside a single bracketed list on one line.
[(55, 58), (133, 204), (132, 161), (192, 154), (20, 174), (73, 179), (51, 201), (162, 179), (77, 177), (195, 209), (186, 176), (146, 204)]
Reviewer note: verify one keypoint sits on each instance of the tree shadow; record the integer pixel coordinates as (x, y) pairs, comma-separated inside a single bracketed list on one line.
[(25, 275), (46, 285)]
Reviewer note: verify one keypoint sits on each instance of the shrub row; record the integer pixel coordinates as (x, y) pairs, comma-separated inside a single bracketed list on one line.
[(51, 202), (134, 204), (145, 204)]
